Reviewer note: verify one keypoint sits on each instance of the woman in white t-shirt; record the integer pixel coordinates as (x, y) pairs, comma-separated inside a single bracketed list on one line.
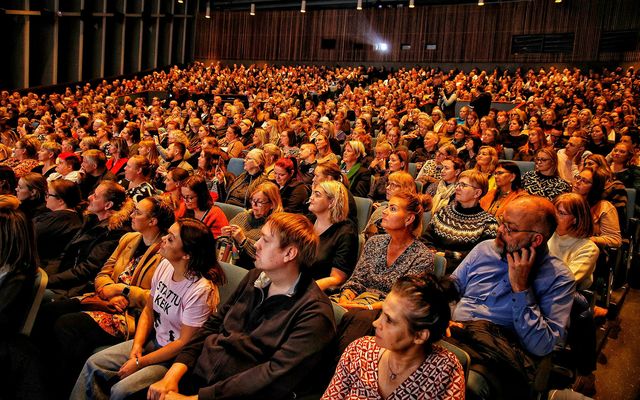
[(183, 293)]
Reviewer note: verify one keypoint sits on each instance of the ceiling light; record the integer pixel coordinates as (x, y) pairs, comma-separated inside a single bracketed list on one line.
[(208, 13), (253, 9), (412, 3), (359, 6), (480, 2), (303, 6)]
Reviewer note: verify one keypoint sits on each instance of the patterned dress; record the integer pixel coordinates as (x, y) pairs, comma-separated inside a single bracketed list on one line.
[(439, 377)]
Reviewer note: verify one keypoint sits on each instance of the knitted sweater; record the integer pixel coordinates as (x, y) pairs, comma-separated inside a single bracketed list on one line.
[(455, 230)]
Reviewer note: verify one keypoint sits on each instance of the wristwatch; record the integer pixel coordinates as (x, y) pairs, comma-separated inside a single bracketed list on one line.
[(126, 291)]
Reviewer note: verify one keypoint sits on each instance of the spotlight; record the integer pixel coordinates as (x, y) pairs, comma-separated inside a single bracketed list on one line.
[(558, 1), (180, 1), (480, 2), (208, 12), (412, 3), (381, 47), (303, 6), (252, 11), (359, 6)]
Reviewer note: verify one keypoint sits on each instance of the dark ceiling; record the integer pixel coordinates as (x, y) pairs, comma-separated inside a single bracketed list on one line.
[(241, 5)]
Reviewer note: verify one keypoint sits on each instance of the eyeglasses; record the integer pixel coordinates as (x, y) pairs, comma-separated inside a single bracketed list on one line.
[(510, 230), (259, 203), (541, 160), (498, 173), (463, 185), (47, 195), (582, 179), (189, 198)]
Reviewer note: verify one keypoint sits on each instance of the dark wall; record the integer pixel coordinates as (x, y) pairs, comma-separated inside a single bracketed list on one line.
[(460, 33)]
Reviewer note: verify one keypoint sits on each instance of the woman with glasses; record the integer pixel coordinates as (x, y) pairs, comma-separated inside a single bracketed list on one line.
[(338, 246), (199, 204), (455, 229), (590, 185), (508, 188), (544, 180), (244, 228), (388, 257), (486, 163), (62, 223), (293, 192)]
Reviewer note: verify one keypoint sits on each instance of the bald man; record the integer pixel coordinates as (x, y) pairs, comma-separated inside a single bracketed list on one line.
[(515, 301)]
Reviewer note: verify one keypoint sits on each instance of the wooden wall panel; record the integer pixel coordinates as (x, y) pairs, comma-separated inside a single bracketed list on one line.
[(462, 33)]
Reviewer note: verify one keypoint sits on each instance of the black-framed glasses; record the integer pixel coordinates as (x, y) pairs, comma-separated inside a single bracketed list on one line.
[(55, 196), (463, 185), (510, 230), (541, 160)]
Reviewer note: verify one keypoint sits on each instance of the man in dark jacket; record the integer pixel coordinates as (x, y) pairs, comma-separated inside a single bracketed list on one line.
[(270, 334)]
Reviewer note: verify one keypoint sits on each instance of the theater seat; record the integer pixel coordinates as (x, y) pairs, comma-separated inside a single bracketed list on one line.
[(236, 166), (229, 210), (234, 275)]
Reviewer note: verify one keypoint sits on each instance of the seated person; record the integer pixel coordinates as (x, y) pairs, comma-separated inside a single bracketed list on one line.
[(338, 247), (199, 204), (444, 190), (109, 212), (458, 227), (293, 192), (21, 374), (269, 335), (353, 158), (397, 182), (544, 180), (183, 293), (238, 192), (244, 229), (515, 303), (508, 188), (403, 355), (387, 257), (397, 162)]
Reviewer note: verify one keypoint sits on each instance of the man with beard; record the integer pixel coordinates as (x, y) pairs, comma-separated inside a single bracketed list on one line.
[(515, 302)]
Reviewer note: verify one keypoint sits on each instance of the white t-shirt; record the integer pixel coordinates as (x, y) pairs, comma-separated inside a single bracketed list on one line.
[(177, 303)]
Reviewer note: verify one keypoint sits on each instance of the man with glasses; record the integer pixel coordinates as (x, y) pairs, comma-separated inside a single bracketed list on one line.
[(515, 300)]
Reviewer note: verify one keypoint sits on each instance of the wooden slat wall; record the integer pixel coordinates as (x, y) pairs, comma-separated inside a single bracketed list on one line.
[(462, 33)]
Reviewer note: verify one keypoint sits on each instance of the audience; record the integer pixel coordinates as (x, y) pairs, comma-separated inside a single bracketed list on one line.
[(200, 205), (311, 119)]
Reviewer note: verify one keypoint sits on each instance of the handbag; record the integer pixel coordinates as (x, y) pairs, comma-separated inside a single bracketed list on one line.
[(93, 302)]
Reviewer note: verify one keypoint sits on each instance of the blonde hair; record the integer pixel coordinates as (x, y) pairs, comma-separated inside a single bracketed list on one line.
[(405, 180), (477, 178), (337, 193), (358, 148)]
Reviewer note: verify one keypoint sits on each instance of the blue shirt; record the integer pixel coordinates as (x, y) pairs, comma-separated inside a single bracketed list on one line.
[(538, 315)]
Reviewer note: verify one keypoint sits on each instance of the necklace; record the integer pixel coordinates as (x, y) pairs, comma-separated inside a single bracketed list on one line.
[(394, 375)]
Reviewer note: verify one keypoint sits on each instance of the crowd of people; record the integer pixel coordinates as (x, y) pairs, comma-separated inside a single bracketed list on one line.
[(113, 194)]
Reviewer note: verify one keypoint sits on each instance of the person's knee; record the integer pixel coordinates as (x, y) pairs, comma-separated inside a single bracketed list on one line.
[(120, 391)]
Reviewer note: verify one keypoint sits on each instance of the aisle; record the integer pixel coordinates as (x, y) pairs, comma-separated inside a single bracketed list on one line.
[(620, 378)]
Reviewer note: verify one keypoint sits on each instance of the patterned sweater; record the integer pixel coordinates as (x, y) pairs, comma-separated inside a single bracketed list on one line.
[(546, 186), (455, 230)]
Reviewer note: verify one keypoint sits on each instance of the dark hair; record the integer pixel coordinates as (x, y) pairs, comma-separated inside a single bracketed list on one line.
[(198, 242), (38, 183), (97, 156), (142, 162), (404, 157), (199, 186), (162, 211), (211, 155), (123, 147), (30, 146), (67, 191), (7, 180), (333, 171), (513, 168), (458, 163), (180, 147), (114, 193), (179, 174), (429, 298), (17, 235), (236, 130)]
